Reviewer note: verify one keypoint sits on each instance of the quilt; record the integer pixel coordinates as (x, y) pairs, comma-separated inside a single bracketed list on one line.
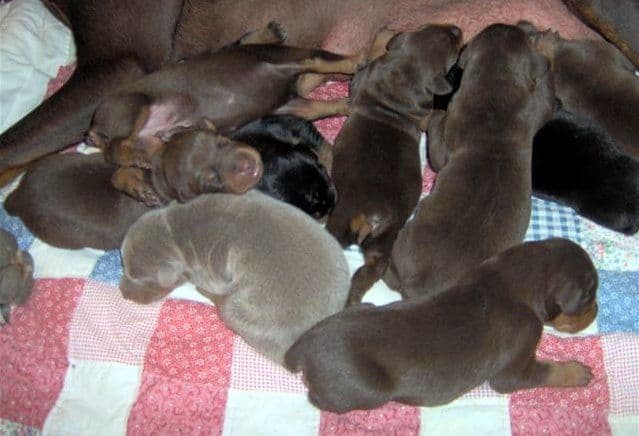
[(78, 359)]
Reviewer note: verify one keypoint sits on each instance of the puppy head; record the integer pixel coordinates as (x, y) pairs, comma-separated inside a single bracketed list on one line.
[(502, 51), (200, 161), (571, 287), (295, 175), (434, 49)]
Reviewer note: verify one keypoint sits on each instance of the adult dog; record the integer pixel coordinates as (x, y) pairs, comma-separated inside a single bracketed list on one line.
[(118, 41)]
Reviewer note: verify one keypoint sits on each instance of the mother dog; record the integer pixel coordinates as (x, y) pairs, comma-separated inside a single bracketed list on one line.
[(120, 40)]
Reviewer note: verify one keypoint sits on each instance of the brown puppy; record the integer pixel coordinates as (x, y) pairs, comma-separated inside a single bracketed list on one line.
[(594, 79), (480, 204), (428, 351), (16, 275), (376, 167), (230, 88), (192, 162), (67, 201), (273, 271)]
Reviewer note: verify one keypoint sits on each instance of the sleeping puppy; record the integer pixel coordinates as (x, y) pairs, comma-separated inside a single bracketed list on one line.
[(575, 162), (482, 148), (376, 167), (428, 351), (230, 88), (16, 275), (294, 155), (67, 201), (594, 79), (271, 269)]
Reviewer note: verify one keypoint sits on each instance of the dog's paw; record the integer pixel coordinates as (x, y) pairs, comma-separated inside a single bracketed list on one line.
[(571, 374), (147, 195)]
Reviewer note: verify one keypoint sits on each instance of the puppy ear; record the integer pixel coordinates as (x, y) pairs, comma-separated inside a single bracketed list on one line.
[(568, 297), (464, 55), (528, 27), (245, 171), (397, 41), (440, 86)]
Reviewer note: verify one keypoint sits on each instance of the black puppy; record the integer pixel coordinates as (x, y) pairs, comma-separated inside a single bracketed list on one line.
[(293, 153), (577, 163)]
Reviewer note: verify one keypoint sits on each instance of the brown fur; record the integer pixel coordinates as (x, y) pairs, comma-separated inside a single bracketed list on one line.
[(67, 201), (428, 351), (271, 268), (482, 148), (594, 79), (16, 275), (227, 88), (189, 163), (615, 20), (376, 167)]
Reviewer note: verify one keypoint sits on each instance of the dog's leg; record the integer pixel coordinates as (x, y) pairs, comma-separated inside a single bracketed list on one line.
[(375, 264), (132, 181), (125, 153), (334, 64), (314, 109), (376, 247), (306, 83), (64, 117), (542, 373)]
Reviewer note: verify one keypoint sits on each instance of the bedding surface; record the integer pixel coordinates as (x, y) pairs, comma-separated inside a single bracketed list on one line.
[(79, 359)]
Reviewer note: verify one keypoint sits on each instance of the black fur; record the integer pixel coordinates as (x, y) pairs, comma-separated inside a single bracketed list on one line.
[(577, 163), (292, 172)]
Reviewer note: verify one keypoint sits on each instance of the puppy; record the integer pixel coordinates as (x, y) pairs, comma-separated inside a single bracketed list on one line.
[(292, 151), (482, 148), (428, 351), (16, 275), (376, 167), (594, 79), (67, 201), (226, 87), (271, 269), (575, 162)]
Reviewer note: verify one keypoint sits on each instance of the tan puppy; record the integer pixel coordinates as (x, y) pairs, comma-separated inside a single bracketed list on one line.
[(594, 79), (428, 351), (376, 167), (483, 146), (273, 271)]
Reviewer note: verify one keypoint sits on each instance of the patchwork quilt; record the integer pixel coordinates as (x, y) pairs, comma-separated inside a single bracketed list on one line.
[(78, 359)]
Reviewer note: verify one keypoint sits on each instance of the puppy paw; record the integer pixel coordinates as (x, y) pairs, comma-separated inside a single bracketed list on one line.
[(569, 374), (148, 196)]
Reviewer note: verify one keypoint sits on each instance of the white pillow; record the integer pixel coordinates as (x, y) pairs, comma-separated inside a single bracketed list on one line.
[(33, 45)]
